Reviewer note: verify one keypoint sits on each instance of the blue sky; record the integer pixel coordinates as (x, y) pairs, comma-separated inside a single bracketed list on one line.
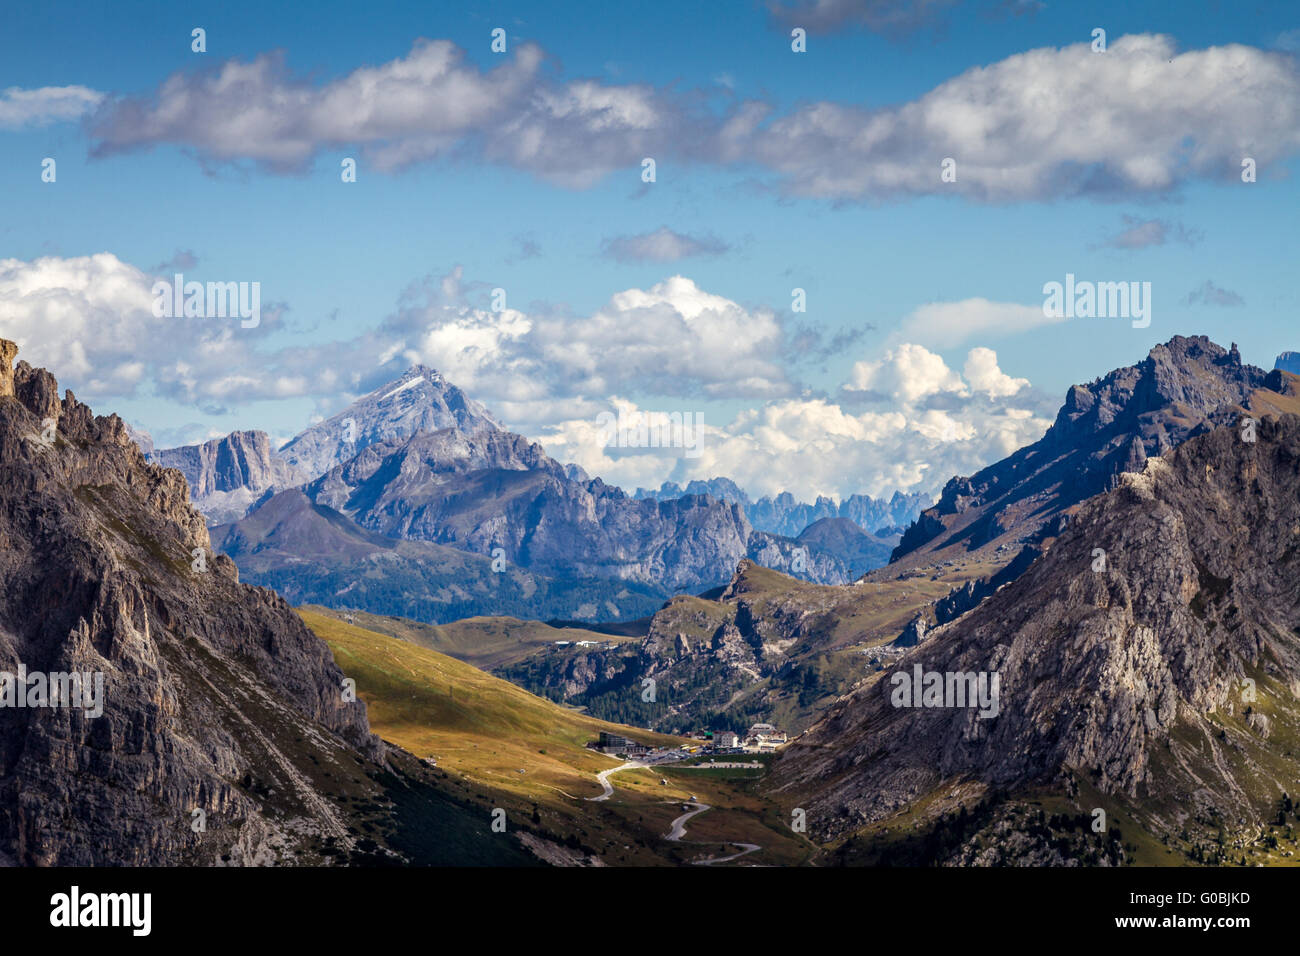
[(818, 402)]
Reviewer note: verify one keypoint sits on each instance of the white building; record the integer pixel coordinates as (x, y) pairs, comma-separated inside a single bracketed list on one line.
[(764, 738)]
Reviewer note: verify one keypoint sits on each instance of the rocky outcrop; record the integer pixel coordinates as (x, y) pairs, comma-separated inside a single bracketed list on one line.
[(239, 460), (807, 562), (8, 352)]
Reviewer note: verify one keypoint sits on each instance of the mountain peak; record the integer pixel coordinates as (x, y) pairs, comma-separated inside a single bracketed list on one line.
[(421, 399)]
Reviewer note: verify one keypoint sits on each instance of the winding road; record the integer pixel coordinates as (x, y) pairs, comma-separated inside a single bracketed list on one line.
[(603, 777), (678, 829)]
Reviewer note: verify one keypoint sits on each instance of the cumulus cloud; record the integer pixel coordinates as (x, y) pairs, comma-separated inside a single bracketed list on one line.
[(673, 338), (815, 446), (1046, 123), (424, 106), (409, 109), (906, 374), (913, 422), (90, 321), (662, 245), (1052, 122), (983, 374), (48, 104)]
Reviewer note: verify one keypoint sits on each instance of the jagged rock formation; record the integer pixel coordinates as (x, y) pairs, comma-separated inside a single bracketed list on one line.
[(1132, 679), (494, 489), (793, 557), (227, 475), (216, 697), (1288, 362), (724, 489), (785, 516), (1104, 429)]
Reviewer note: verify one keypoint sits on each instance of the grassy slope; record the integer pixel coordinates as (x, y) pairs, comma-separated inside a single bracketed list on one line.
[(485, 642), (483, 731)]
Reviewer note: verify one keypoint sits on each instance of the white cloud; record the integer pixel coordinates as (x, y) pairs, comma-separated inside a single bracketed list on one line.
[(952, 323), (48, 104), (982, 372), (1052, 122), (89, 320), (812, 446), (906, 374), (1049, 122)]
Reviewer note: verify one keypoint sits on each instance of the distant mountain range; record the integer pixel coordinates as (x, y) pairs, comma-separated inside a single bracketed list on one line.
[(784, 515), (418, 461)]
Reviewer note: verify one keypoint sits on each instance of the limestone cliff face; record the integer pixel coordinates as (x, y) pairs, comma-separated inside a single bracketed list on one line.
[(216, 695), (227, 475), (1157, 677), (239, 460)]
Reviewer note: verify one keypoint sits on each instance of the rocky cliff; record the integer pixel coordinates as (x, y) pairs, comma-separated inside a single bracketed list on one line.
[(223, 734), (1164, 676), (227, 475)]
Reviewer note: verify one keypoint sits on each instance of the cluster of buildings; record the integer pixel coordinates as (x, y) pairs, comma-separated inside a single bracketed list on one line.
[(760, 738)]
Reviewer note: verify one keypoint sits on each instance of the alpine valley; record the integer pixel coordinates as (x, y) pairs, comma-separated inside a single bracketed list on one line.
[(358, 647)]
